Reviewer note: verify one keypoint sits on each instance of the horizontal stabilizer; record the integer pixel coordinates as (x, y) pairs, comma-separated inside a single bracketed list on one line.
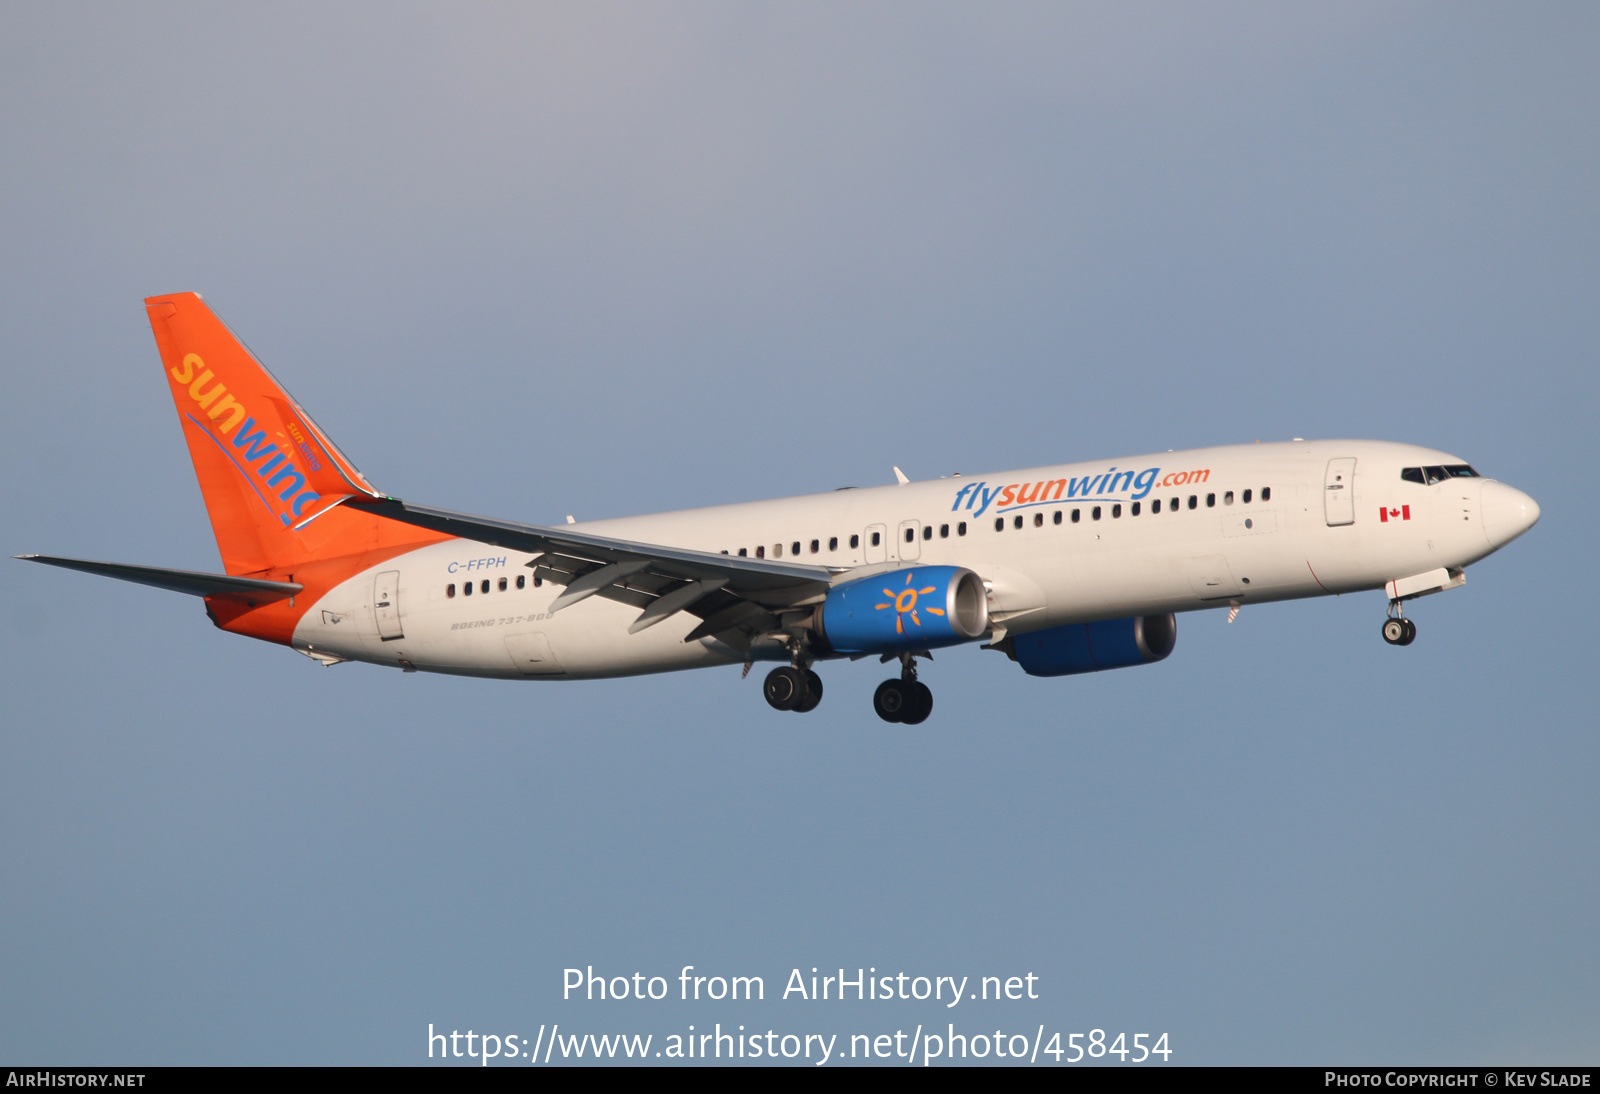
[(179, 581)]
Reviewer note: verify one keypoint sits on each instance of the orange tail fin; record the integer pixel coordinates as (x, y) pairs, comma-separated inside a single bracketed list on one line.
[(270, 478)]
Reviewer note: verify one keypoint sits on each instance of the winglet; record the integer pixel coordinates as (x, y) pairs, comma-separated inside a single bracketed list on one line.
[(901, 476)]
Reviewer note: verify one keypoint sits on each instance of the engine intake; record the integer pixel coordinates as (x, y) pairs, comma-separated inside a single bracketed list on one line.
[(1092, 647), (897, 611)]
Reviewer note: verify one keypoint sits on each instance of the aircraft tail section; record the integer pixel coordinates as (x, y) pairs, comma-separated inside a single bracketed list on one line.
[(271, 479)]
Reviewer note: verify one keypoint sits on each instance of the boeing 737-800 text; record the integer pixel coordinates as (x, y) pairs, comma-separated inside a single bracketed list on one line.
[(1065, 569)]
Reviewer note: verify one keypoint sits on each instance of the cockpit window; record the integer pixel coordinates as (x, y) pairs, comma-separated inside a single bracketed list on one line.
[(1432, 475)]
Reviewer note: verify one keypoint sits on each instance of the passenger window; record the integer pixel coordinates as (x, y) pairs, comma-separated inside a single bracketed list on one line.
[(466, 588), (1116, 510), (1211, 501), (1038, 520), (1411, 474), (1076, 513), (450, 590), (1058, 516), (485, 587), (502, 584), (833, 543), (1095, 512), (927, 531), (944, 531), (1016, 522), (1194, 502), (1155, 505), (522, 580), (1266, 493), (815, 546), (1227, 499), (743, 553), (777, 550), (876, 539), (1246, 497), (1173, 505), (761, 552), (537, 580), (855, 541), (1135, 508), (1434, 475), (999, 524), (961, 529), (795, 548)]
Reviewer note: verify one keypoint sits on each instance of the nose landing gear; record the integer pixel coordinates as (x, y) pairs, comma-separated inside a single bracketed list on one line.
[(1398, 630), (906, 700)]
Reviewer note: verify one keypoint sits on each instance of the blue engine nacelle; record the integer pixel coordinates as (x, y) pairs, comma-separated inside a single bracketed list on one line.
[(900, 610), (1090, 647)]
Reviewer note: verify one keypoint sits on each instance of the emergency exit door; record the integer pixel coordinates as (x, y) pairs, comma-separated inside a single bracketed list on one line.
[(876, 549), (386, 604), (1338, 491), (910, 544)]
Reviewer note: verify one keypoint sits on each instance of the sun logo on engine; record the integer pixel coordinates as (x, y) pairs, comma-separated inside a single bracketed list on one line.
[(904, 603)]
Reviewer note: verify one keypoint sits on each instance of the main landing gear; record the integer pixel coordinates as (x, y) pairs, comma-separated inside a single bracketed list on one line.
[(906, 700), (792, 688), (1397, 629)]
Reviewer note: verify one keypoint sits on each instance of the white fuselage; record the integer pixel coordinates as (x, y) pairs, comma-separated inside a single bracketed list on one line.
[(1179, 557)]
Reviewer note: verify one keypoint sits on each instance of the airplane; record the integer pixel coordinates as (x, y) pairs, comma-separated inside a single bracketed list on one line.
[(1066, 569)]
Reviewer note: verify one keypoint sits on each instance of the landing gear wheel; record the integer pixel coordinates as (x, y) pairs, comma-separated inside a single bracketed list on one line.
[(890, 700), (785, 688), (1411, 632), (1396, 632), (813, 694), (919, 703)]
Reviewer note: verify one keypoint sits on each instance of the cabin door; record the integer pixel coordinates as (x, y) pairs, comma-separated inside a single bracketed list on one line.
[(386, 604), (1338, 491)]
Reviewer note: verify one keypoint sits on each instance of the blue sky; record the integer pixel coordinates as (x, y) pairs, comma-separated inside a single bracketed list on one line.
[(607, 259)]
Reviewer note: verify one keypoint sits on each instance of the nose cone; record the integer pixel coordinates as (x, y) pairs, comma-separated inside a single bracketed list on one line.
[(1507, 513)]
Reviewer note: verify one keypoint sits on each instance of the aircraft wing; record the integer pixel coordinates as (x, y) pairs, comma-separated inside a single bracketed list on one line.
[(730, 593)]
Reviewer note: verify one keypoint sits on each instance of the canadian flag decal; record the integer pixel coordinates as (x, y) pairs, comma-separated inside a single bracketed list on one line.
[(1385, 515)]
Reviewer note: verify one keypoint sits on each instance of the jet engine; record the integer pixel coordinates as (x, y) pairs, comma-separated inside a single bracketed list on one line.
[(1091, 647), (897, 611)]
